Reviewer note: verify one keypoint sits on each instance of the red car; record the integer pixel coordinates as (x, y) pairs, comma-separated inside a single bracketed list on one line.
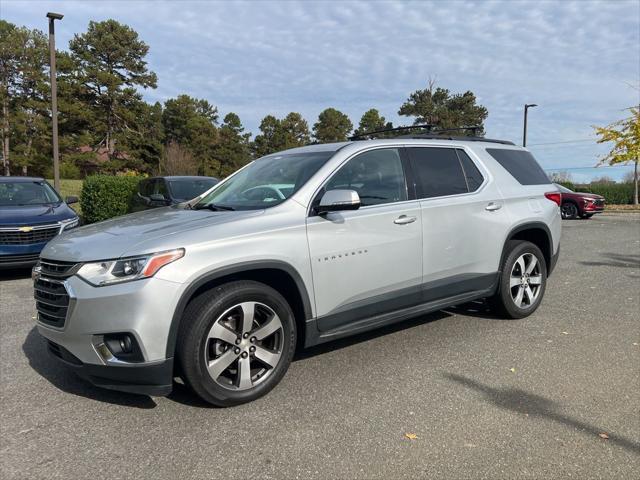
[(576, 204)]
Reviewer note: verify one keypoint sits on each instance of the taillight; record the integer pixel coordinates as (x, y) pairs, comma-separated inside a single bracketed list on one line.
[(554, 197)]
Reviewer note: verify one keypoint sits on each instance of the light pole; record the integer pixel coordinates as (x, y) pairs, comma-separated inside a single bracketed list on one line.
[(54, 97), (527, 106)]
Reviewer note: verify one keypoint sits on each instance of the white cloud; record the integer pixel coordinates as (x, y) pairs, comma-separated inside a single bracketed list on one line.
[(255, 58)]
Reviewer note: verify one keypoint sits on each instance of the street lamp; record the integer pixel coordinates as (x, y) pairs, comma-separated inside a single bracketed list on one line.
[(527, 106), (54, 97)]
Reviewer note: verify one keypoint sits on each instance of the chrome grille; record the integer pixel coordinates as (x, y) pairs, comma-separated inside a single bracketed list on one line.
[(18, 235), (52, 298)]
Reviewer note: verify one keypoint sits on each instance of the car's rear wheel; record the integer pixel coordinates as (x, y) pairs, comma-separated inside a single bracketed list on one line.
[(569, 211), (523, 279), (236, 342)]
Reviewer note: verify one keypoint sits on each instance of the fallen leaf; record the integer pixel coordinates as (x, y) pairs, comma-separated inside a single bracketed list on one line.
[(565, 333), (512, 370), (411, 436), (603, 435), (635, 344)]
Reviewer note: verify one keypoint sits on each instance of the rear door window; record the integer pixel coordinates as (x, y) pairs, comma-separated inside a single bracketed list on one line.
[(471, 173), (521, 165), (438, 172)]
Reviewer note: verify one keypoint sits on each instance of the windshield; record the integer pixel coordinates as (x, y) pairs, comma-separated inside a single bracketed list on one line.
[(266, 182), (186, 189), (563, 189), (27, 193)]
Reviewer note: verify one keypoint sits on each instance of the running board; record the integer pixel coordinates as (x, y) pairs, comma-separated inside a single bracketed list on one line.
[(314, 337)]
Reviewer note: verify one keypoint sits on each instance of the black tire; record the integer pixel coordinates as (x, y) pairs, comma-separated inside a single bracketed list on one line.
[(194, 345), (503, 301), (569, 211)]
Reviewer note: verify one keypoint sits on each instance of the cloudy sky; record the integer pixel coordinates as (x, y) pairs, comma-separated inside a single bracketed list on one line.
[(579, 61)]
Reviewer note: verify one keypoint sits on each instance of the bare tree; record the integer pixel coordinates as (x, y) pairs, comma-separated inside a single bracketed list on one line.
[(603, 180), (628, 177), (561, 177), (177, 160)]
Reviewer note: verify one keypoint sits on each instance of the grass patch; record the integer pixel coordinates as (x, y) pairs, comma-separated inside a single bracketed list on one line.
[(70, 187)]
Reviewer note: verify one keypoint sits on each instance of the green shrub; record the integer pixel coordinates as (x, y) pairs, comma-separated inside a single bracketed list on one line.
[(613, 193), (567, 184), (105, 196)]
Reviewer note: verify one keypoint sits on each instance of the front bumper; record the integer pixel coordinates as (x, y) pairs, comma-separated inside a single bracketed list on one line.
[(142, 309), (20, 256), (148, 379)]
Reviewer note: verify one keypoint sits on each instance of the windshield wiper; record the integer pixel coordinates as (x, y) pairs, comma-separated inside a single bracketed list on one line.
[(215, 207)]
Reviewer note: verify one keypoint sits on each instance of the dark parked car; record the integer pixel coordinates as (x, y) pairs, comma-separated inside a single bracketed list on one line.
[(575, 204), (31, 214), (162, 191)]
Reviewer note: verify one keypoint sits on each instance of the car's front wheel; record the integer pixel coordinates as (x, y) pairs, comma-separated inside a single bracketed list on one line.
[(236, 342), (569, 211), (523, 279)]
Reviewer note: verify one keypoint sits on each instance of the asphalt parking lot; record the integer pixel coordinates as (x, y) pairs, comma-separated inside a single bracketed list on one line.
[(482, 397)]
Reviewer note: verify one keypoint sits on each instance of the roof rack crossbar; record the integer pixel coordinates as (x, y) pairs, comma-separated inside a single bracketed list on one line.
[(432, 134)]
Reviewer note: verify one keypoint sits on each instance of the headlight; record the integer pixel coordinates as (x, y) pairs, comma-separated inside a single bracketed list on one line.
[(69, 224), (127, 269)]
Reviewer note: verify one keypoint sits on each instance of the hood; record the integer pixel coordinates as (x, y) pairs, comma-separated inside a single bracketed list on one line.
[(34, 214), (590, 195), (113, 238)]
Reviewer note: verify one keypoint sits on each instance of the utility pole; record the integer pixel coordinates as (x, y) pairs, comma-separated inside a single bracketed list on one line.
[(527, 106), (54, 97)]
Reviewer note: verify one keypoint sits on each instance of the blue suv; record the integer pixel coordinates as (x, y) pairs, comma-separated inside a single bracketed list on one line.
[(31, 214)]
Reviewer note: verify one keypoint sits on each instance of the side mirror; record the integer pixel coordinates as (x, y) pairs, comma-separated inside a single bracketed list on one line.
[(71, 199), (337, 200), (157, 197)]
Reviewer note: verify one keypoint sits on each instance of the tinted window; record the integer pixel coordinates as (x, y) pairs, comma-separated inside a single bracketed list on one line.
[(186, 189), (161, 188), (145, 188), (472, 174), (521, 165), (377, 176), (438, 172)]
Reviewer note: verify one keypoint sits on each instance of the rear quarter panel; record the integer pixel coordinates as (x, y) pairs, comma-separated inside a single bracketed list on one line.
[(525, 203)]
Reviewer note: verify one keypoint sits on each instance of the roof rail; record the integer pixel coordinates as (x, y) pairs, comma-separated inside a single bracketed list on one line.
[(458, 138), (366, 135)]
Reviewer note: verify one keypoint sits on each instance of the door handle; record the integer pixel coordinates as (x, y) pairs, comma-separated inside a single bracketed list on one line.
[(404, 220), (492, 207)]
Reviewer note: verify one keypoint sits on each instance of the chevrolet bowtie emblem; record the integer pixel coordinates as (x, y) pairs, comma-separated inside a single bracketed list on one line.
[(25, 229)]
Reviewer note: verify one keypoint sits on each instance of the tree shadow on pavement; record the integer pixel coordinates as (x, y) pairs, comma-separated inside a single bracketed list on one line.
[(36, 351), (521, 401), (616, 260), (15, 274)]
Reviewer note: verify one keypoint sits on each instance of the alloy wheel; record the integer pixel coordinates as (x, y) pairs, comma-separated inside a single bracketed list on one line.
[(525, 282), (568, 211), (244, 345)]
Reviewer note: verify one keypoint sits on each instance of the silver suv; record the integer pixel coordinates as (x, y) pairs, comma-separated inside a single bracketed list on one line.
[(295, 249)]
